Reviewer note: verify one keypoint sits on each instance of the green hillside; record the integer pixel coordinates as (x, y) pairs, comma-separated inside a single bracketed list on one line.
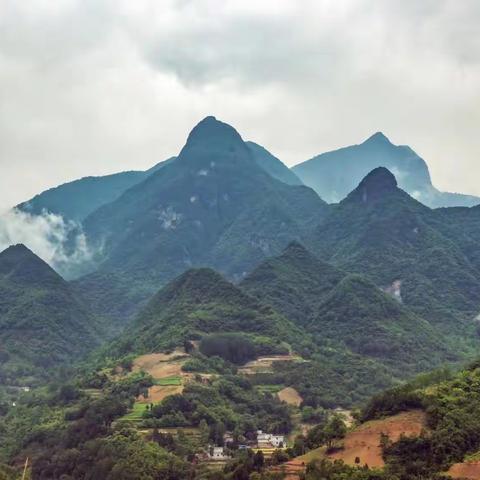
[(452, 404), (381, 232), (348, 314), (42, 323), (295, 283), (201, 302), (359, 315)]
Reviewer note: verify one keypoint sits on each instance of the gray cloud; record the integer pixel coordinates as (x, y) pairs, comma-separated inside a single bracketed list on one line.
[(92, 87)]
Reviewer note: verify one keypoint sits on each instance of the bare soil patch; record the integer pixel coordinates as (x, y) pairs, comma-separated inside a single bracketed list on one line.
[(364, 441), (290, 396), (469, 470), (160, 365), (292, 469)]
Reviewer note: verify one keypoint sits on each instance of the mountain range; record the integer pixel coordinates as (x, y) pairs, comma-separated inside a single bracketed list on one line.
[(334, 174), (222, 285), (212, 206), (379, 276)]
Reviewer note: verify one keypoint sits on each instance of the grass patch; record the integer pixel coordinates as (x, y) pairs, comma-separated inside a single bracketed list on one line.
[(136, 414), (169, 381), (270, 388)]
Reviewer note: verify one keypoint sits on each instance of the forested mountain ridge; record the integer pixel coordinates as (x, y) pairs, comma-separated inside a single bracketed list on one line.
[(201, 302), (42, 322), (211, 206), (347, 312), (379, 231)]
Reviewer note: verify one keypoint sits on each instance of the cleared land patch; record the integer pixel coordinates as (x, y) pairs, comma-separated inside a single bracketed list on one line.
[(469, 470), (364, 441), (290, 396), (168, 379), (160, 365)]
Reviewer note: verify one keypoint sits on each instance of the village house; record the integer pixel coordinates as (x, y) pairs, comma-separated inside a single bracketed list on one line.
[(269, 440), (217, 453)]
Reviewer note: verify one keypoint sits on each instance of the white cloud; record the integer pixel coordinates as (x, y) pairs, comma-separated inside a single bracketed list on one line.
[(61, 244)]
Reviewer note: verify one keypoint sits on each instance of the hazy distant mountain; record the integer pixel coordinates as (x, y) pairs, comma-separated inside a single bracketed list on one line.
[(213, 205), (76, 200), (334, 174), (272, 165), (42, 322)]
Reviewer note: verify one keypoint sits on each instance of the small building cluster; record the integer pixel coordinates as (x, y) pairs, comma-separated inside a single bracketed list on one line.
[(269, 440)]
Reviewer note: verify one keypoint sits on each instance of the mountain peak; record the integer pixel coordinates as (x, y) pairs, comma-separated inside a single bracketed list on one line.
[(296, 247), (19, 263), (213, 134), (16, 253), (378, 183), (378, 138)]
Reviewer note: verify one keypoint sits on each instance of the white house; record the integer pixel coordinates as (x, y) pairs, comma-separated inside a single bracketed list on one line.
[(265, 440), (217, 453)]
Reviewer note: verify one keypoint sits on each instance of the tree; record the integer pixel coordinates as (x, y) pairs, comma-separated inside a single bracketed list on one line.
[(258, 460), (334, 430), (204, 431)]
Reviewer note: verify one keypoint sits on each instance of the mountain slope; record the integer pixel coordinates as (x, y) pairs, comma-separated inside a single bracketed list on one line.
[(295, 283), (272, 165), (213, 205), (381, 232), (372, 324), (42, 323), (76, 200), (199, 302), (346, 312), (334, 174)]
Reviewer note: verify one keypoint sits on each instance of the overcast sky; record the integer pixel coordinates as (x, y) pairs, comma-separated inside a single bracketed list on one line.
[(97, 86)]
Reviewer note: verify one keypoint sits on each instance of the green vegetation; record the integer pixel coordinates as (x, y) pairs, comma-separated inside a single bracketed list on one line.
[(201, 302), (381, 232), (295, 283), (201, 364), (136, 414), (76, 200), (228, 403), (42, 323), (164, 382)]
